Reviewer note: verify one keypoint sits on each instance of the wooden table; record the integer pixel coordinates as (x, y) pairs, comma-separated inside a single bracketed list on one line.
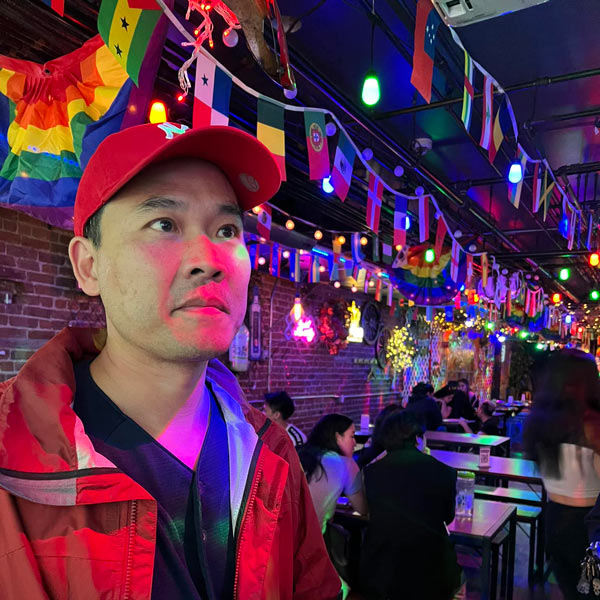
[(508, 469), (489, 519), (497, 443)]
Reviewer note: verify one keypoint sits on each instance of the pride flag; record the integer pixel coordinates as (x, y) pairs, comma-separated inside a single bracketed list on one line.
[(52, 118)]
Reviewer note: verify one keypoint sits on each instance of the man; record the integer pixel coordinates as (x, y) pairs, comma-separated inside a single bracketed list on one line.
[(422, 404), (131, 466), (279, 407)]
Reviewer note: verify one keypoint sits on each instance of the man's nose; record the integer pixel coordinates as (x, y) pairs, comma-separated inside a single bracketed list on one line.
[(205, 260)]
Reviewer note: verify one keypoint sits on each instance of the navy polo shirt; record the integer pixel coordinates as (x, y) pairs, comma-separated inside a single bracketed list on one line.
[(195, 550)]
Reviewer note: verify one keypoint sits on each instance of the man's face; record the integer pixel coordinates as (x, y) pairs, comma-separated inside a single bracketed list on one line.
[(172, 266), (271, 414)]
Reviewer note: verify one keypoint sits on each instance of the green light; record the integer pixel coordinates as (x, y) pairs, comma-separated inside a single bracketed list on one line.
[(594, 295), (429, 255), (490, 325), (539, 346), (523, 334), (370, 91), (564, 274)]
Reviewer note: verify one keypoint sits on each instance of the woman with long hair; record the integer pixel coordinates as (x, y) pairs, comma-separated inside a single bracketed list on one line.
[(566, 396), (330, 468)]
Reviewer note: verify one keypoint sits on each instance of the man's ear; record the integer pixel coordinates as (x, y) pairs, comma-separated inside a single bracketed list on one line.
[(83, 259)]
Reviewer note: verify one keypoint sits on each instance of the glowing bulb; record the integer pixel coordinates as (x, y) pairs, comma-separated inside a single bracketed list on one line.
[(399, 171), (458, 234), (286, 254), (594, 295), (297, 309), (564, 274), (370, 91), (568, 319), (364, 241), (407, 223), (158, 112), (256, 210), (289, 224), (515, 173), (367, 154), (326, 185), (330, 129), (341, 240), (353, 288), (318, 234), (180, 97), (429, 255), (556, 298), (321, 269), (336, 284), (419, 191), (371, 283), (594, 259), (502, 339), (398, 247), (230, 37), (262, 260)]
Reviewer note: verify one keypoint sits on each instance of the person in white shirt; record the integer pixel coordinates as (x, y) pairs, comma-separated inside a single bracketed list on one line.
[(279, 407)]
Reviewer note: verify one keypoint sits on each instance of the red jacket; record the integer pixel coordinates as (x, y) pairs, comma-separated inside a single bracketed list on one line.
[(72, 526)]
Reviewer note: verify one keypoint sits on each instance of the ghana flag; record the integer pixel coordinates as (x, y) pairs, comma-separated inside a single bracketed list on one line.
[(52, 118), (427, 284), (126, 27)]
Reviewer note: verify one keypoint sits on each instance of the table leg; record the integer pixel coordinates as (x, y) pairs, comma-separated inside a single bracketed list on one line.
[(512, 537), (485, 569), (540, 552)]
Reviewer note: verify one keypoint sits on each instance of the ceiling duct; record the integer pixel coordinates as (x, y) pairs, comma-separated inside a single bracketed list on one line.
[(457, 13)]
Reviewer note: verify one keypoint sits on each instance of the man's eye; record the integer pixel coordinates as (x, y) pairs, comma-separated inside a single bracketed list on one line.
[(163, 225), (228, 232)]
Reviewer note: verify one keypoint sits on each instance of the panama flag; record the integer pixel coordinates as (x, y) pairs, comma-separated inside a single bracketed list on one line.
[(468, 93), (374, 201), (212, 92), (423, 218), (263, 223), (343, 163), (488, 113), (400, 221)]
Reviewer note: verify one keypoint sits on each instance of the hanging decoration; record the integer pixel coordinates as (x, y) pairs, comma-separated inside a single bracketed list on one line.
[(355, 332), (334, 321), (299, 325), (400, 349)]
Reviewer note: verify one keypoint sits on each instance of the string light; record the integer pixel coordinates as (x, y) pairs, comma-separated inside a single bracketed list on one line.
[(180, 97), (318, 234), (594, 259), (429, 255), (336, 284), (262, 260), (289, 224), (286, 254), (341, 240), (364, 241), (398, 247), (399, 351), (321, 269), (326, 185), (370, 91), (256, 210), (515, 173), (158, 112), (556, 298), (564, 274), (371, 283), (353, 288)]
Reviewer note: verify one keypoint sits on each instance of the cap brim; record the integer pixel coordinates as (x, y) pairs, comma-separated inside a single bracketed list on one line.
[(247, 163)]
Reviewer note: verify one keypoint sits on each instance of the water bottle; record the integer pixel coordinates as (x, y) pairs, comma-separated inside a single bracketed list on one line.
[(465, 493)]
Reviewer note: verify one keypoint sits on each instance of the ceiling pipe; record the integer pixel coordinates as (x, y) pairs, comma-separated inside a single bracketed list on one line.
[(542, 81)]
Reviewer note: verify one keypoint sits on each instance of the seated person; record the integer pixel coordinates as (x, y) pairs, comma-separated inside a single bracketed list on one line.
[(279, 407), (407, 552), (463, 386), (422, 404), (486, 421), (374, 448), (455, 404), (330, 469)]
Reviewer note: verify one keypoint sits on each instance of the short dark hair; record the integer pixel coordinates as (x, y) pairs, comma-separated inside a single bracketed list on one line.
[(400, 430), (422, 389), (488, 409), (282, 403), (91, 230), (464, 380)]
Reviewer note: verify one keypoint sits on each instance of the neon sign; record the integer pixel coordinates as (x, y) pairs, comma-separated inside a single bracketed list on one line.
[(304, 330), (355, 332)]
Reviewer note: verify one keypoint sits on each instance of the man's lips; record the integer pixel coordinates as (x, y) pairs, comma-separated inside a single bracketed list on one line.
[(204, 305)]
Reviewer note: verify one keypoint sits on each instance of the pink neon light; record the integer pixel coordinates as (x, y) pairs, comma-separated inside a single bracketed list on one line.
[(304, 330)]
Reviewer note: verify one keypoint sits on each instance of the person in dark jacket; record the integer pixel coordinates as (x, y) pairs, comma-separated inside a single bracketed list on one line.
[(407, 553), (375, 447), (422, 404), (455, 404), (486, 423)]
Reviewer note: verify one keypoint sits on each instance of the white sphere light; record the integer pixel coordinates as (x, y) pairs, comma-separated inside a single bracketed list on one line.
[(367, 154), (230, 39), (330, 129), (399, 171), (472, 248), (419, 191), (458, 234), (290, 94)]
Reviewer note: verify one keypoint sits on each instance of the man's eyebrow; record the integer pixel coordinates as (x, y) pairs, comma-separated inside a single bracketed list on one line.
[(159, 202), (231, 209)]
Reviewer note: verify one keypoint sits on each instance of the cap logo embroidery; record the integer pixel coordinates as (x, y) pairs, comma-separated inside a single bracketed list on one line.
[(249, 182), (172, 128)]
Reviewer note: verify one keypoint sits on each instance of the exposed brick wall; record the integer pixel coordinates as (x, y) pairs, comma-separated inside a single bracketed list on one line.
[(36, 274)]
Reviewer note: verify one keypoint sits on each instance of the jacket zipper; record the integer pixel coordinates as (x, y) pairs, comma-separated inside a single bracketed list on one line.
[(251, 499), (129, 565)]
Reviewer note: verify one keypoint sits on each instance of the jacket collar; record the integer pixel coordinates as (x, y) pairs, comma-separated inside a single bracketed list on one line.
[(45, 454)]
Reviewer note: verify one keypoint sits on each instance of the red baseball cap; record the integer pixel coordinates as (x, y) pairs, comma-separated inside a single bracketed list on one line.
[(247, 163)]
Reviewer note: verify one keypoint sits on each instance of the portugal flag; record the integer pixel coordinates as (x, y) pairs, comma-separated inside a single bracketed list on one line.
[(316, 144)]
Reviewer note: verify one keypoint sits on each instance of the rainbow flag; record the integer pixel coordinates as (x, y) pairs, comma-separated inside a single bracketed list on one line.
[(52, 118)]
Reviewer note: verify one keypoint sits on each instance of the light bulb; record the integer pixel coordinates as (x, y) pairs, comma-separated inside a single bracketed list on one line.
[(370, 90), (321, 269), (262, 260), (341, 240), (367, 154), (289, 224), (286, 254), (230, 37), (364, 241), (318, 234), (326, 185), (330, 129), (256, 210), (515, 173), (336, 284), (399, 171), (158, 112), (353, 288)]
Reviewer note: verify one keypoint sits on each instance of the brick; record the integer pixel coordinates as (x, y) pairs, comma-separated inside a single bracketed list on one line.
[(40, 334), (50, 258), (9, 333), (21, 251), (27, 264), (46, 268), (7, 366), (37, 243), (20, 355), (7, 261), (21, 321), (44, 313), (40, 278), (66, 282)]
